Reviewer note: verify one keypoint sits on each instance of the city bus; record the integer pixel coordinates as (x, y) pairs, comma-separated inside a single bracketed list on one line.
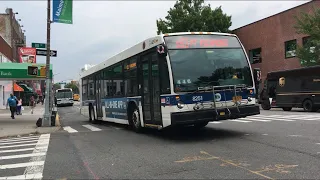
[(176, 79), (64, 97)]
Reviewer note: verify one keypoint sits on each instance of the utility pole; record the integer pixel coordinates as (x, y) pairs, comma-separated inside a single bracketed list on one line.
[(46, 121)]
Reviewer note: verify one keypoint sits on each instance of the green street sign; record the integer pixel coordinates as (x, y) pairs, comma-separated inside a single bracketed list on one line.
[(38, 45)]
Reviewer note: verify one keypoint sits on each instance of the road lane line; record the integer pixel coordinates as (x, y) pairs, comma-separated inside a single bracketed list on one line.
[(270, 118), (27, 176), (20, 165), (19, 139), (236, 120), (69, 129), (18, 142), (92, 128), (38, 169)]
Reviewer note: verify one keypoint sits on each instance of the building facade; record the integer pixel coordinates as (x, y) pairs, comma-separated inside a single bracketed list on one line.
[(11, 37), (271, 42)]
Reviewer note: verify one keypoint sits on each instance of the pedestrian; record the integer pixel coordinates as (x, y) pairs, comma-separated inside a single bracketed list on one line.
[(31, 104), (19, 106), (12, 102)]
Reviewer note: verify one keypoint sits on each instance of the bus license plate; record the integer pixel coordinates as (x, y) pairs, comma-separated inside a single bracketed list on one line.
[(236, 98), (222, 113)]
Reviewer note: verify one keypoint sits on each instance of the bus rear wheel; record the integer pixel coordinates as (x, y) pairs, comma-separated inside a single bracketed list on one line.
[(135, 120)]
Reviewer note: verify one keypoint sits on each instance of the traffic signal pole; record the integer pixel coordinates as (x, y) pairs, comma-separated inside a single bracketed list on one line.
[(47, 113)]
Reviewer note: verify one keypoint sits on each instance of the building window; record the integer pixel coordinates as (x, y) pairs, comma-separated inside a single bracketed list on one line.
[(255, 56), (305, 41), (290, 48)]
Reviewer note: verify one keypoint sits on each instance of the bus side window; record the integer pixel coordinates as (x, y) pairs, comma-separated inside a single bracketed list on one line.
[(164, 73)]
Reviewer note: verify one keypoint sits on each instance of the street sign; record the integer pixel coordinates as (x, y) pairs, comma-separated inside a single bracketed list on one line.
[(62, 83), (39, 45), (42, 52)]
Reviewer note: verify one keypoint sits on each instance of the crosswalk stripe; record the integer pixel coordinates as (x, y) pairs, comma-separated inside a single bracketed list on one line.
[(92, 128), (19, 165), (18, 142), (69, 129), (291, 117), (24, 149), (26, 176), (270, 118), (21, 156), (252, 119), (215, 122), (236, 120), (19, 139)]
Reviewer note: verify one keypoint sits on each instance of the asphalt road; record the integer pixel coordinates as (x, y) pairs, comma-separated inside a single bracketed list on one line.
[(274, 145)]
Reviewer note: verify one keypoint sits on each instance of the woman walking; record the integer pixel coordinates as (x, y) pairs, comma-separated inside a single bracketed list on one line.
[(31, 104), (19, 105)]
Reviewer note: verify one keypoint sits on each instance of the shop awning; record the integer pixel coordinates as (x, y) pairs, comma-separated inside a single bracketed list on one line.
[(19, 71), (16, 88)]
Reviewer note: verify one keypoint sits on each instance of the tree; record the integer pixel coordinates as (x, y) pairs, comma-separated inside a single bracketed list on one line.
[(74, 87), (56, 86), (193, 16), (309, 24)]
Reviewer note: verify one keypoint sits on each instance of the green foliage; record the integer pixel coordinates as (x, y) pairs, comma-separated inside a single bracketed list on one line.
[(56, 86), (309, 24), (74, 88), (193, 16)]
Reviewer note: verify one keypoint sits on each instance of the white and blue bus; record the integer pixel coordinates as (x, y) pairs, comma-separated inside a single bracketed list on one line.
[(172, 79)]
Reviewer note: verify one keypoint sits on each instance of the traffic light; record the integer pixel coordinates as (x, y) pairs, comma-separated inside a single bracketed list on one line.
[(43, 71), (32, 70)]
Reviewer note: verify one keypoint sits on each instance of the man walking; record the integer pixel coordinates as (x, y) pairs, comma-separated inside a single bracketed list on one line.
[(12, 102)]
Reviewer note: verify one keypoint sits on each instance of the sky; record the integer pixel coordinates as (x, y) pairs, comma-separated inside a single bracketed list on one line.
[(101, 29)]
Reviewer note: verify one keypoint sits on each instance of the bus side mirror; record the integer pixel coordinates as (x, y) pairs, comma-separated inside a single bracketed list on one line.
[(162, 50)]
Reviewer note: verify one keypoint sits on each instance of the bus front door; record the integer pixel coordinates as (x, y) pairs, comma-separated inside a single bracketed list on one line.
[(150, 89), (98, 96)]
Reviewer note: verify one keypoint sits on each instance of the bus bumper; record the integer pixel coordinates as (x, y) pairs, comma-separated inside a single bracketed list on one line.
[(192, 117)]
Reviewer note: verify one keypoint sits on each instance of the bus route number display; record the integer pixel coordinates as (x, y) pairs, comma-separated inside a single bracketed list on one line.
[(203, 43)]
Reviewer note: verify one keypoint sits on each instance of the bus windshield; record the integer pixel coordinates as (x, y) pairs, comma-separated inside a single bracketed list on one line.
[(64, 95), (216, 63)]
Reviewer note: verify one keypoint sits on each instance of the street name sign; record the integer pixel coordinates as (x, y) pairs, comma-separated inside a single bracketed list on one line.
[(39, 45)]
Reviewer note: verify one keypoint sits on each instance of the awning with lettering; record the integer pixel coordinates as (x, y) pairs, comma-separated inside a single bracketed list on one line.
[(19, 71)]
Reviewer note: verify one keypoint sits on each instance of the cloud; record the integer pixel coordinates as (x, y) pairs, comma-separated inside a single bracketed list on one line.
[(102, 29)]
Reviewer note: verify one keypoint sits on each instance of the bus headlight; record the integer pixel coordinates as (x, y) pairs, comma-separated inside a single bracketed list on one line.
[(180, 105)]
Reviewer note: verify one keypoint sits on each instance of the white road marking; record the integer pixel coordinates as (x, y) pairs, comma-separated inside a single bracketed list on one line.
[(19, 165), (92, 128), (236, 120), (295, 135), (252, 119), (265, 134), (215, 122), (19, 150), (69, 129), (18, 145), (27, 176), (38, 169), (18, 142), (269, 118), (20, 139), (318, 143), (21, 156)]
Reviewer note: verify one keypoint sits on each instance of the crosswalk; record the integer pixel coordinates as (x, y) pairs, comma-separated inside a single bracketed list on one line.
[(272, 118), (249, 119), (23, 157)]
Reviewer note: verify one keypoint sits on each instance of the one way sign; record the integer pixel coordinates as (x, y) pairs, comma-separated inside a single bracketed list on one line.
[(42, 52)]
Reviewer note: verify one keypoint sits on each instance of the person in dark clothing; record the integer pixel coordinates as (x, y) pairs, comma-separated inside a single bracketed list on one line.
[(12, 102)]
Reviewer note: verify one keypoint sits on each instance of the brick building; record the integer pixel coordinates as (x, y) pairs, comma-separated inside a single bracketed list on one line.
[(271, 42), (11, 36)]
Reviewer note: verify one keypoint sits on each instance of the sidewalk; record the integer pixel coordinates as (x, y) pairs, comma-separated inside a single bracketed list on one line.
[(23, 124)]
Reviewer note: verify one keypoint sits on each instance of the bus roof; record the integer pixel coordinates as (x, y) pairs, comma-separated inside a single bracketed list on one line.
[(140, 47)]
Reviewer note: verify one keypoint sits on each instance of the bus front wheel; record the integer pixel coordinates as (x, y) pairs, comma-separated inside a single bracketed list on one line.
[(91, 113), (308, 106)]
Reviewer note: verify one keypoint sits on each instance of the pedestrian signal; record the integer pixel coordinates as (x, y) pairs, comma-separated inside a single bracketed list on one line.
[(43, 71), (32, 70)]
